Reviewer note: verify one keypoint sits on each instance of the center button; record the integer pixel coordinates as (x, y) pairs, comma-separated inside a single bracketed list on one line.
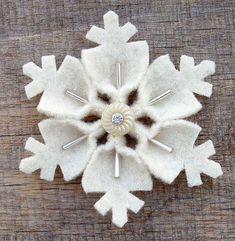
[(117, 119)]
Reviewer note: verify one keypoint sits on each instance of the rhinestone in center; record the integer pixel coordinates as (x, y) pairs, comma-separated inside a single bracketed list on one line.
[(117, 118)]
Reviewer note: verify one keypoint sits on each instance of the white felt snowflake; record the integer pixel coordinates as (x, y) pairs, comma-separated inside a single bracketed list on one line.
[(116, 119)]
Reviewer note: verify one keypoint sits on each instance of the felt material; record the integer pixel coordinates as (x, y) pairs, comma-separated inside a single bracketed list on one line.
[(99, 174), (112, 35), (53, 84), (40, 76), (162, 76), (99, 177), (94, 78), (101, 64), (194, 75), (50, 155), (119, 202), (180, 135)]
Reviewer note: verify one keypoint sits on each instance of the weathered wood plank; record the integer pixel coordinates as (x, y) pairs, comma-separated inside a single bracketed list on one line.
[(32, 209)]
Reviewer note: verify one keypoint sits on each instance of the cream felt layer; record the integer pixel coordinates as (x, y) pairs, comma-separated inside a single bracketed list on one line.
[(147, 111), (94, 78), (112, 34), (99, 177), (100, 62), (162, 76), (197, 162), (101, 65), (119, 202), (40, 76), (194, 75), (50, 155), (119, 144), (53, 84), (181, 136), (99, 174), (105, 89)]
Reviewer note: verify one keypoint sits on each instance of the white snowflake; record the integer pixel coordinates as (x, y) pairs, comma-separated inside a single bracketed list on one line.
[(117, 119)]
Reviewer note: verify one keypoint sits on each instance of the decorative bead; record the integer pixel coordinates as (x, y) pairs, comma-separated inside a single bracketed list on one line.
[(117, 119)]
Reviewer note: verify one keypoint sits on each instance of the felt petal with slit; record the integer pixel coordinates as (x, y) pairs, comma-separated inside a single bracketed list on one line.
[(99, 174), (162, 76), (53, 84), (101, 64), (51, 154), (180, 136), (70, 76)]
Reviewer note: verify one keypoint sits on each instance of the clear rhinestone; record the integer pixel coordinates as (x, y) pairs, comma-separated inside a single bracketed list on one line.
[(117, 118)]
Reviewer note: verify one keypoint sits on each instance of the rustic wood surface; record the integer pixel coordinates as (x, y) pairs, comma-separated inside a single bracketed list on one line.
[(35, 210)]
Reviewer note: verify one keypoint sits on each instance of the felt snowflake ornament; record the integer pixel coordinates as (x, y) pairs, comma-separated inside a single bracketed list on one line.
[(117, 119)]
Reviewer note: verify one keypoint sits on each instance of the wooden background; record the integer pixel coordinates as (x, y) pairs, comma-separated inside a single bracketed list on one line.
[(34, 210)]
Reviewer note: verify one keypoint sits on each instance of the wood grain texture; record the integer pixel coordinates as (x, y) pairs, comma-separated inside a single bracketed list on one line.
[(35, 210)]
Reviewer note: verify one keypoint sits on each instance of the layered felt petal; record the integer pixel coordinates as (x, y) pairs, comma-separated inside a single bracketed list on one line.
[(99, 174), (162, 76), (53, 84), (99, 177), (101, 63), (180, 136), (48, 156)]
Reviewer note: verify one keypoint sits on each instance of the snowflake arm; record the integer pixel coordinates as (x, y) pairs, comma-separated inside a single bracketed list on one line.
[(51, 154), (53, 84), (40, 76), (31, 164), (102, 166), (163, 76), (99, 177), (112, 33), (194, 75), (181, 136), (118, 202), (100, 62), (198, 163), (101, 65)]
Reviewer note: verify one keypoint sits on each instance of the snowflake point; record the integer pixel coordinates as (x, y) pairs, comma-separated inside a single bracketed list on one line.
[(111, 21)]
